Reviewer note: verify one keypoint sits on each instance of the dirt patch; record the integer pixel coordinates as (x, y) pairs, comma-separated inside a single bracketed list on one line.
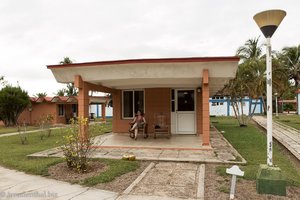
[(218, 187), (63, 173), (120, 183)]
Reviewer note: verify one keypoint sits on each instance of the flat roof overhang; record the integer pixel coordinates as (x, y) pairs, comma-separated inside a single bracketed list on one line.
[(151, 73)]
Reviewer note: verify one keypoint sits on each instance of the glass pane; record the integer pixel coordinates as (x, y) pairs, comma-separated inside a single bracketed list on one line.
[(74, 108), (128, 104), (138, 101), (185, 100), (61, 110)]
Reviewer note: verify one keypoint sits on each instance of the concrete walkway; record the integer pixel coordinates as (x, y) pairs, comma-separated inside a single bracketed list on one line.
[(178, 148), (169, 181), (18, 185), (163, 181), (22, 132), (286, 135), (62, 126)]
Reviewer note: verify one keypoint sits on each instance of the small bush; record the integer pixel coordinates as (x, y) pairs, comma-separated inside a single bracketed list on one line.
[(75, 148), (45, 122), (22, 129)]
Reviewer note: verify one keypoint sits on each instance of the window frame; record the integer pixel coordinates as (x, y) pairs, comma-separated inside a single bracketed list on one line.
[(63, 110), (133, 100)]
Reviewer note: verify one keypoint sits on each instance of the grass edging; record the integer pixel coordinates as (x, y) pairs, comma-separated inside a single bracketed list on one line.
[(115, 168), (250, 142)]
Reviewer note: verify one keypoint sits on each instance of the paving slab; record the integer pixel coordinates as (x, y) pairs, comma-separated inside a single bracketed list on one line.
[(21, 185), (177, 148), (288, 136), (148, 197), (170, 180), (183, 178)]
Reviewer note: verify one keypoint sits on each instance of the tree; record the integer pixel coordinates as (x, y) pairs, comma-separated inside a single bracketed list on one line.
[(60, 92), (66, 60), (250, 50), (40, 94), (280, 79), (2, 81), (70, 89), (290, 58), (249, 80), (13, 100)]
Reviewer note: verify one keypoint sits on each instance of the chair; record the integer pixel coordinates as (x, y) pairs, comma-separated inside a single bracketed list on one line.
[(142, 130), (161, 126)]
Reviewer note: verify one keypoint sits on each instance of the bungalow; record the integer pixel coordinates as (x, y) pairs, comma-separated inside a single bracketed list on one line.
[(178, 88), (60, 107), (221, 106)]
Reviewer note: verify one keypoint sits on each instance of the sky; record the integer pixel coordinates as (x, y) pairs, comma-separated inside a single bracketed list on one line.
[(36, 33)]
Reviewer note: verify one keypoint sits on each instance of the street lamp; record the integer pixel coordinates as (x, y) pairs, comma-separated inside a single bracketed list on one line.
[(276, 102), (268, 21)]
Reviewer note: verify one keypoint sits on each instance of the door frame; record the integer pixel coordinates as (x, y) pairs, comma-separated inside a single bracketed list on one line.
[(175, 130)]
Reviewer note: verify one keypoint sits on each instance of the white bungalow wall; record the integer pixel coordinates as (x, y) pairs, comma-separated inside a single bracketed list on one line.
[(96, 109), (220, 106)]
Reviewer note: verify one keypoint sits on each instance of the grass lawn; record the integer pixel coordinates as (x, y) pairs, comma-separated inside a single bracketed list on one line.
[(4, 129), (290, 120), (250, 142), (13, 155)]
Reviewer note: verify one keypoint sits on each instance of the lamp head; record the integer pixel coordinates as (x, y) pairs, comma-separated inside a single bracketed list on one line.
[(269, 20)]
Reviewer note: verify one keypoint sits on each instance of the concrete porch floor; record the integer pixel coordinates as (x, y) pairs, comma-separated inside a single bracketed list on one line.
[(184, 148), (176, 142)]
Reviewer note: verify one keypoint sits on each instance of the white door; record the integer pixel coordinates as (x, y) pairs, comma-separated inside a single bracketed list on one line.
[(185, 111)]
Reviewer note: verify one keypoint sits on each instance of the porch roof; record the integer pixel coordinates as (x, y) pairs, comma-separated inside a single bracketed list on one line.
[(151, 73)]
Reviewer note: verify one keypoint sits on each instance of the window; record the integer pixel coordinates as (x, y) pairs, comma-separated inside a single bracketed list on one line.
[(185, 100), (74, 108), (61, 110), (133, 100)]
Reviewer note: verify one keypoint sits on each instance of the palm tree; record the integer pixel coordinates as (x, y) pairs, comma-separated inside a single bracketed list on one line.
[(250, 50), (280, 78), (2, 81), (40, 94), (70, 90), (254, 68), (66, 60), (290, 58), (61, 92)]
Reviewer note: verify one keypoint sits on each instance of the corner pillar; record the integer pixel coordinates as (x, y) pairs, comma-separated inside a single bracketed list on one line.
[(83, 104), (205, 109), (103, 114)]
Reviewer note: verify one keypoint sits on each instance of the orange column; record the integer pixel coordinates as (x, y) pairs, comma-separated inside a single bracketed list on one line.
[(103, 114), (205, 108), (83, 104), (117, 111)]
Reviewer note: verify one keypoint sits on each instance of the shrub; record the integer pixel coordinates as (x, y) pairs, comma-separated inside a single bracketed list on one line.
[(45, 124), (75, 148), (22, 129)]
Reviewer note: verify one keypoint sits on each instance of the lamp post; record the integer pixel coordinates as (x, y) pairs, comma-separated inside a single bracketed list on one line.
[(268, 21), (276, 102)]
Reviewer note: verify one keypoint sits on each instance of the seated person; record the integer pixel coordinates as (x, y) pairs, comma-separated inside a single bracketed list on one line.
[(138, 122)]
